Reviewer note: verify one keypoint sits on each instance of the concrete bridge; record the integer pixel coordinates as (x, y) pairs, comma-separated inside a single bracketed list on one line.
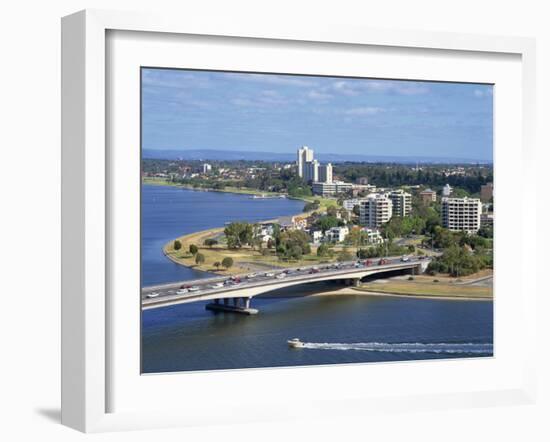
[(234, 294)]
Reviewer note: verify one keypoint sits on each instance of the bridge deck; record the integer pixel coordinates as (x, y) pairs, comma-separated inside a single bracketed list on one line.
[(206, 289)]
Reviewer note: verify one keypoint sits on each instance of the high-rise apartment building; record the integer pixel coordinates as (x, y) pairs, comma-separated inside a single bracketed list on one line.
[(305, 155), (375, 210), (461, 214), (401, 202), (325, 173), (311, 171)]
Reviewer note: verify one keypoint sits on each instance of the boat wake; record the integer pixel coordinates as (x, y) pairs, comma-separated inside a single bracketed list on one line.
[(406, 347)]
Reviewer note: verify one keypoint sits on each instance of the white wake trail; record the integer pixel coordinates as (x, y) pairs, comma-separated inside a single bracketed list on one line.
[(406, 347)]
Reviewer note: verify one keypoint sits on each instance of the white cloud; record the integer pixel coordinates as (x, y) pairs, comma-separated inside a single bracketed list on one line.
[(364, 111), (483, 92), (345, 88), (319, 95), (357, 87), (285, 80)]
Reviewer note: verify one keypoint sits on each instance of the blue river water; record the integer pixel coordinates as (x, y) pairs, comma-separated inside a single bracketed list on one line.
[(337, 329)]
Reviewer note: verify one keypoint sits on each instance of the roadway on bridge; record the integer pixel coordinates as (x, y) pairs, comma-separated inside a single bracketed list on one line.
[(195, 290)]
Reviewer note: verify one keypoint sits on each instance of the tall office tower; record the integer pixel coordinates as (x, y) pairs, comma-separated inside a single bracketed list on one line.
[(461, 214), (325, 173), (401, 201), (311, 171), (375, 210), (305, 155)]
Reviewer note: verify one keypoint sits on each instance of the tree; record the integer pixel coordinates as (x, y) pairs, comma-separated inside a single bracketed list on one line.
[(293, 244), (217, 264), (199, 259), (210, 242), (345, 255), (227, 262), (239, 234), (325, 223), (323, 250), (177, 244), (310, 207), (295, 252), (193, 249)]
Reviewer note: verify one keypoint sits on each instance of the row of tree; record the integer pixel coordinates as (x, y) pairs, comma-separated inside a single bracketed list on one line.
[(226, 262)]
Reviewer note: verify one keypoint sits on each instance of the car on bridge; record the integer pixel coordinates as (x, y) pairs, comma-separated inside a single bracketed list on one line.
[(153, 295), (182, 291)]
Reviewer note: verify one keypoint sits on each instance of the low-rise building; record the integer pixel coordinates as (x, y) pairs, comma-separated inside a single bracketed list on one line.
[(428, 196), (329, 189), (487, 220), (374, 236), (461, 214), (337, 234), (316, 236), (351, 203)]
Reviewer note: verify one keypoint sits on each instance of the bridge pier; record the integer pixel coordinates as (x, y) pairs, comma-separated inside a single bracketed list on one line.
[(244, 309)]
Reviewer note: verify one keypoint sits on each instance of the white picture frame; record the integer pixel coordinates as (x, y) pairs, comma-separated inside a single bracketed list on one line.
[(86, 317)]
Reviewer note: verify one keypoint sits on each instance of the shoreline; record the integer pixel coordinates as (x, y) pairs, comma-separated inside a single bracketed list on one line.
[(198, 237), (351, 291), (234, 190)]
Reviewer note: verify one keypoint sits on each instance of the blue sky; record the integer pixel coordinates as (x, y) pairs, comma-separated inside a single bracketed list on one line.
[(277, 113)]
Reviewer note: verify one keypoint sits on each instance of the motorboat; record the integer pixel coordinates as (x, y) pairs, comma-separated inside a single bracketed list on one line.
[(295, 343)]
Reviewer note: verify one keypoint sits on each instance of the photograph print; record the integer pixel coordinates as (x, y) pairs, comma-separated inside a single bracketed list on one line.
[(302, 220)]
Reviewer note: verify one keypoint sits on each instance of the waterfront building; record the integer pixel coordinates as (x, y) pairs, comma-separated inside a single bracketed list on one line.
[(305, 155), (461, 214), (447, 190), (325, 173), (375, 210), (311, 171), (329, 189), (337, 234), (486, 192), (401, 202), (300, 222), (428, 196), (206, 168)]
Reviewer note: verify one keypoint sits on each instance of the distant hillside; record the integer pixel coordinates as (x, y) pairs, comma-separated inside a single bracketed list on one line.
[(222, 155)]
